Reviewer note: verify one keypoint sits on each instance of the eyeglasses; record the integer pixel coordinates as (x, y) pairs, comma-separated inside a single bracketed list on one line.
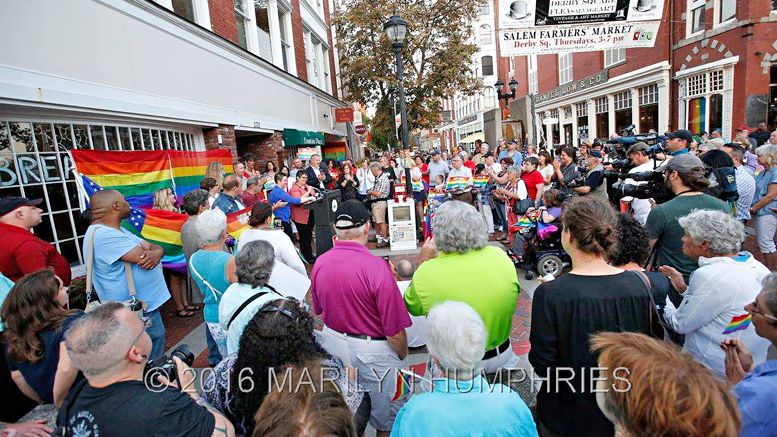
[(754, 310)]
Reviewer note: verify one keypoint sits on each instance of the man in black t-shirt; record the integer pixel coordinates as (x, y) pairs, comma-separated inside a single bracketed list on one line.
[(110, 347)]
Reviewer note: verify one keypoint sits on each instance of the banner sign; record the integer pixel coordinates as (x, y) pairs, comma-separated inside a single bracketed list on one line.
[(578, 38), (531, 13), (344, 115)]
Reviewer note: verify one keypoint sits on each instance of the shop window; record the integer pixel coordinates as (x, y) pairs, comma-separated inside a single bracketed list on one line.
[(716, 113), (704, 100), (622, 110), (602, 117), (487, 63), (34, 163), (648, 108)]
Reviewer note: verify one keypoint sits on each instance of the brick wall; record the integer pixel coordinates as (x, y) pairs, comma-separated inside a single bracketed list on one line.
[(228, 141), (331, 60), (299, 41), (269, 148), (222, 19)]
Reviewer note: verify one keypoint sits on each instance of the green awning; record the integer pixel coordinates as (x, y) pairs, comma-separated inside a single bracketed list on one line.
[(294, 137)]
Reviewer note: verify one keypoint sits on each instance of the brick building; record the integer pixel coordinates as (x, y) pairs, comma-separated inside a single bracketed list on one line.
[(714, 65), (250, 76)]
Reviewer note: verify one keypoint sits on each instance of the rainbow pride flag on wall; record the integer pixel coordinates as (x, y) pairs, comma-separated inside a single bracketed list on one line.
[(137, 175)]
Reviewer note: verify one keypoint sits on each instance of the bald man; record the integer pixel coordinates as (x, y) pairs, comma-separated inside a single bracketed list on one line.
[(109, 346), (229, 200), (115, 250)]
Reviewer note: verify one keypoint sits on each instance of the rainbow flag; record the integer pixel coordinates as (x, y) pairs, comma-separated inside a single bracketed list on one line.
[(137, 175), (237, 222), (456, 183), (480, 181), (162, 228), (418, 186), (697, 109), (738, 323), (402, 386)]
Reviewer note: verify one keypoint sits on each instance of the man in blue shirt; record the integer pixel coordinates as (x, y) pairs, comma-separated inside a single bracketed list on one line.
[(461, 401), (114, 248), (512, 153), (283, 212), (229, 200), (756, 387), (678, 142)]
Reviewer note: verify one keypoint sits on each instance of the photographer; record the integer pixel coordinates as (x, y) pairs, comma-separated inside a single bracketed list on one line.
[(685, 177), (565, 172), (594, 179), (641, 162), (111, 347)]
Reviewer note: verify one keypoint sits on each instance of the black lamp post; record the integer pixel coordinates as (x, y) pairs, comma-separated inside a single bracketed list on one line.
[(500, 86), (394, 131), (396, 31)]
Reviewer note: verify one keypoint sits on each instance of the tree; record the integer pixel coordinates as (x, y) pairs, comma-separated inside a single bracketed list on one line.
[(437, 56)]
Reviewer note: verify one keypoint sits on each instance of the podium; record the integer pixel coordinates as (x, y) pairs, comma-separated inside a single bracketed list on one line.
[(323, 217)]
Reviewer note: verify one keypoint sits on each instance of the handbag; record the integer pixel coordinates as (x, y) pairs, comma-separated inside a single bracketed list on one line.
[(92, 299), (523, 205)]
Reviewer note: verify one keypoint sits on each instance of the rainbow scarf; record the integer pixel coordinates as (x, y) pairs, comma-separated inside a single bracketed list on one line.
[(480, 181), (137, 175), (738, 323)]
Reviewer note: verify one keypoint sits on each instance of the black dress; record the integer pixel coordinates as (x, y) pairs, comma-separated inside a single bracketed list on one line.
[(565, 312), (349, 190)]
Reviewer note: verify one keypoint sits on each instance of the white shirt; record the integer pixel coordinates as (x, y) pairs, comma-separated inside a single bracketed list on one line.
[(717, 291), (285, 251)]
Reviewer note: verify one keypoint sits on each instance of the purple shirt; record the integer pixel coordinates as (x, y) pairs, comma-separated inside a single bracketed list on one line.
[(356, 293)]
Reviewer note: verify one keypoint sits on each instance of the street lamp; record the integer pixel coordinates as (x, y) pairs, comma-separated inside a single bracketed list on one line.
[(394, 129), (506, 97), (396, 31)]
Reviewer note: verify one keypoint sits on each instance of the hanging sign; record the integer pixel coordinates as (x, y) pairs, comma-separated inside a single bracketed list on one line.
[(578, 38), (344, 115), (531, 13)]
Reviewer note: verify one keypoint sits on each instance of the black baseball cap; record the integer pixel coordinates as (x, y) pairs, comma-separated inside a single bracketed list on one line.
[(353, 212), (11, 203), (595, 153), (681, 134)]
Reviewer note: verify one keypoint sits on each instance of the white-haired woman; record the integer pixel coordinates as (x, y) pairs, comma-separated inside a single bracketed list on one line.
[(471, 271), (765, 202), (461, 402), (213, 270), (718, 290)]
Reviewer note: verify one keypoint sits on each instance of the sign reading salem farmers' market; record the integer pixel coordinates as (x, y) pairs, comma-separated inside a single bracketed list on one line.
[(578, 38), (531, 13)]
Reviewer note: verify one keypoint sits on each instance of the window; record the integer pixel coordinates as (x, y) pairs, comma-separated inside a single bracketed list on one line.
[(554, 128), (487, 65), (184, 8), (34, 164), (489, 94), (484, 9), (648, 108), (533, 77), (622, 110), (704, 100), (582, 120), (727, 9), (774, 5), (242, 21), (602, 106), (327, 78), (564, 68), (485, 34), (695, 16), (614, 57), (263, 32), (287, 52)]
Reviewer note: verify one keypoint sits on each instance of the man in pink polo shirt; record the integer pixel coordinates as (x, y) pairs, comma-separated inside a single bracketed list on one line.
[(364, 315)]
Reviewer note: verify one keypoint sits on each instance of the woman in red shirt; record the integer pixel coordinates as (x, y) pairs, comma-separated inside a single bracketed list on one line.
[(419, 162), (535, 182)]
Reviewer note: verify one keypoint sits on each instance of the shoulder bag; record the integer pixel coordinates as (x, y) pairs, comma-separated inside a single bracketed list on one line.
[(92, 299)]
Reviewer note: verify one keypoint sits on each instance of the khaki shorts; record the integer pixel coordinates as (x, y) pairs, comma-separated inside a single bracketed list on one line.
[(379, 210)]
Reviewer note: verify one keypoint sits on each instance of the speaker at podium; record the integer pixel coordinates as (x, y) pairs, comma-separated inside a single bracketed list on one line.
[(323, 217)]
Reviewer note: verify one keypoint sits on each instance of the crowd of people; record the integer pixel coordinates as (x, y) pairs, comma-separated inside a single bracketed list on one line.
[(661, 325)]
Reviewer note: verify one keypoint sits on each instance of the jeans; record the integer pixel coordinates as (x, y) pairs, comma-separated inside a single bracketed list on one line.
[(501, 215), (157, 333), (485, 212), (214, 356)]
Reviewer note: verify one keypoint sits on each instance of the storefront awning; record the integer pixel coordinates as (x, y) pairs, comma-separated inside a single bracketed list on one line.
[(294, 137), (473, 137)]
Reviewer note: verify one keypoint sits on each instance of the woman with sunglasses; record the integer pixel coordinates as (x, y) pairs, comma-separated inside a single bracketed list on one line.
[(727, 279), (36, 317), (279, 334), (756, 386)]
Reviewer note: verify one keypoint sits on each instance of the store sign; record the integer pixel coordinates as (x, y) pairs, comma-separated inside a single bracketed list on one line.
[(360, 129), (578, 38), (573, 87), (532, 13), (344, 115), (27, 169), (470, 119)]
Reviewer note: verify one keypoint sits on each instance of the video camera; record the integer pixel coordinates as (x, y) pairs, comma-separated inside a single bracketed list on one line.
[(165, 366), (655, 141), (655, 187)]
